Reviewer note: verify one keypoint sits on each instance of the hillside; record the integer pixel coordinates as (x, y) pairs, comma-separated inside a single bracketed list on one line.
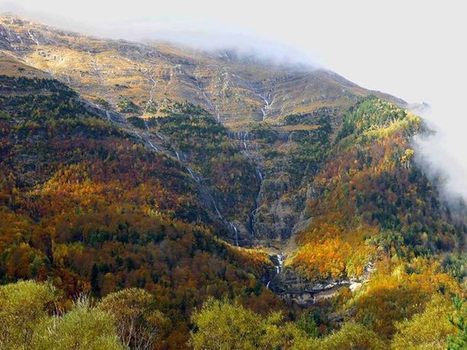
[(205, 200), (234, 89), (89, 206)]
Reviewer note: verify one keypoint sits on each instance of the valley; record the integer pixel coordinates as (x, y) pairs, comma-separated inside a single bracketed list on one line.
[(192, 192)]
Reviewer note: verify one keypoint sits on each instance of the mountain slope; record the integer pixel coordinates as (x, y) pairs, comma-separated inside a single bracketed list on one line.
[(90, 206), (234, 89), (126, 165)]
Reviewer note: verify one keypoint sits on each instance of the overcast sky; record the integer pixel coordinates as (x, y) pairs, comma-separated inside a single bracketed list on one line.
[(413, 49)]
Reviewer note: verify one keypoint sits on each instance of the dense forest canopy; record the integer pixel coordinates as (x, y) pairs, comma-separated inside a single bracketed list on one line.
[(154, 224)]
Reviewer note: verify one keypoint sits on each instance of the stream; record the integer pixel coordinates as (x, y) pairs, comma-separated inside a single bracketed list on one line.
[(248, 148)]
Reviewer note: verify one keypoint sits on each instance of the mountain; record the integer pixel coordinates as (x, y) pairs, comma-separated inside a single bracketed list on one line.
[(90, 206), (235, 89), (144, 80), (154, 178)]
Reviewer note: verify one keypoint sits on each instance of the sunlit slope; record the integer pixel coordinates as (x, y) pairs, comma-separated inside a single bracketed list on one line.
[(370, 197), (235, 89), (89, 206)]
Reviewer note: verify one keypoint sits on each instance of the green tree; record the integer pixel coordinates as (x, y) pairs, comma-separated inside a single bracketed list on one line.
[(458, 320), (82, 328), (139, 323), (225, 325), (352, 336), (426, 330), (22, 306), (307, 322)]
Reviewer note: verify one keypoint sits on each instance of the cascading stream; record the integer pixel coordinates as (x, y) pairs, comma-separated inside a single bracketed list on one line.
[(243, 137), (278, 261)]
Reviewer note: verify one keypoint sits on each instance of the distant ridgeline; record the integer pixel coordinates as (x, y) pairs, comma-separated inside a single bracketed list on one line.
[(148, 222)]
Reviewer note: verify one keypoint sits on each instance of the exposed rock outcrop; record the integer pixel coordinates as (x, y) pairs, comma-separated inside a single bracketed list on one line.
[(292, 286)]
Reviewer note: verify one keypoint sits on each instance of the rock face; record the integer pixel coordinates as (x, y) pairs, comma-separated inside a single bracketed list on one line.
[(294, 111), (144, 80), (293, 287), (237, 90)]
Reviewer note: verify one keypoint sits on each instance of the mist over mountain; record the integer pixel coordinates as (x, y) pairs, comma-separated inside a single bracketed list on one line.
[(441, 153), (198, 35), (310, 43)]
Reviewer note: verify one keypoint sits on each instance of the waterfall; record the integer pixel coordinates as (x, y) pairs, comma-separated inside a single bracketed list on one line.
[(33, 38), (260, 175), (267, 105), (235, 231), (216, 209), (192, 174), (159, 135), (278, 261), (152, 146), (243, 141)]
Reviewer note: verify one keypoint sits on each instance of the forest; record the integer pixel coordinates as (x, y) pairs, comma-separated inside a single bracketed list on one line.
[(106, 244)]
